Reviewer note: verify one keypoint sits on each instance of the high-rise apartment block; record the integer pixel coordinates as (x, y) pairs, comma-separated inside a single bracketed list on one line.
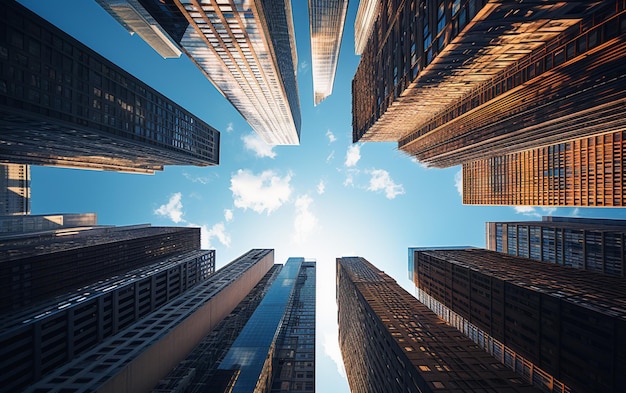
[(63, 104), (14, 189), (585, 243), (246, 49), (561, 328), (391, 342), (327, 18), (498, 86)]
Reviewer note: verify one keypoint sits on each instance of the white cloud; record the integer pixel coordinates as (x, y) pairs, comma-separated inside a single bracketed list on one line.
[(321, 187), (173, 209), (575, 212), (229, 127), (331, 136), (196, 179), (219, 231), (422, 165), (254, 143), (332, 350), (458, 182), (264, 192), (353, 155), (228, 215), (381, 180), (305, 221), (531, 211), (303, 66), (330, 156)]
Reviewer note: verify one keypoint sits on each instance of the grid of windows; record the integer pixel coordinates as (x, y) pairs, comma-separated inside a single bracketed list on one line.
[(86, 111)]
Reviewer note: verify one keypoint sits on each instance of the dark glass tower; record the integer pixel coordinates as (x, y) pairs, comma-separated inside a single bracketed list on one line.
[(391, 342), (14, 189), (585, 243), (266, 344), (134, 328), (62, 104), (563, 329)]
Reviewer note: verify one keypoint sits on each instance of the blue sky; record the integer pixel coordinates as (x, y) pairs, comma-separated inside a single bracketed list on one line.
[(323, 199)]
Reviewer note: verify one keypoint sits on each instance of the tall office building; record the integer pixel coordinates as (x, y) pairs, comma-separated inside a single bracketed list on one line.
[(390, 342), (18, 224), (456, 82), (581, 172), (364, 23), (591, 244), (38, 266), (136, 358), (62, 104), (560, 328), (326, 18), (246, 49), (266, 344), (14, 189)]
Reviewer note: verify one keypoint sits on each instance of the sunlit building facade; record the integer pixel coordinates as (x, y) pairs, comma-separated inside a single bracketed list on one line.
[(592, 244), (390, 342), (14, 189), (327, 19), (581, 172), (558, 327), (19, 224), (63, 104), (137, 356), (364, 23), (246, 49)]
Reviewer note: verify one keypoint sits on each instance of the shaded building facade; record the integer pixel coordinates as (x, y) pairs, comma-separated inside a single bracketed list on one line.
[(390, 342), (591, 244), (62, 104), (138, 356), (39, 266), (14, 189), (560, 328), (326, 19), (246, 49), (10, 225)]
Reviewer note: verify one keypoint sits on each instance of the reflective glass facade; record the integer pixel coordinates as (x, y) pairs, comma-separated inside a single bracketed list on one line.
[(568, 323), (364, 23), (246, 49), (63, 104), (591, 244), (390, 342), (326, 18), (43, 222)]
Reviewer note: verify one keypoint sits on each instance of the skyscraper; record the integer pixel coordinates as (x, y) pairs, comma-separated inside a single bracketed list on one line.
[(38, 266), (246, 49), (266, 344), (364, 23), (326, 18), (14, 189), (164, 316), (591, 244), (63, 104), (470, 82), (559, 327), (16, 224), (390, 342)]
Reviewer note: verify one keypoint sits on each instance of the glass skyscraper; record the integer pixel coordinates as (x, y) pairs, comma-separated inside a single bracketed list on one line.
[(14, 189), (390, 342), (326, 18), (63, 104), (246, 49)]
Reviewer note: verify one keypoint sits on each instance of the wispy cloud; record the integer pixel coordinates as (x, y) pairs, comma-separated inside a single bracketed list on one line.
[(228, 215), (217, 231), (173, 209), (305, 221), (534, 211), (381, 180), (264, 192), (353, 155), (229, 127), (331, 136), (330, 156), (422, 165), (321, 187), (254, 143), (458, 182), (196, 179), (303, 66)]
